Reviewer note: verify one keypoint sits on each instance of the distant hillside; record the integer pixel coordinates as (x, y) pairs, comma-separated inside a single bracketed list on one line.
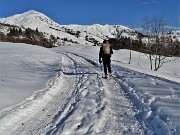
[(68, 34), (11, 33), (33, 27)]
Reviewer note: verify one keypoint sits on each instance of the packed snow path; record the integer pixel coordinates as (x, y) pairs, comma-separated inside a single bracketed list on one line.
[(79, 101)]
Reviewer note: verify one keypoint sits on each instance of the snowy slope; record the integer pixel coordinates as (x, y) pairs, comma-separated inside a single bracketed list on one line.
[(76, 100), (22, 73)]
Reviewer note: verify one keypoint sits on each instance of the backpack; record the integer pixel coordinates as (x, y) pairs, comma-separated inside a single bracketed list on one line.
[(106, 48)]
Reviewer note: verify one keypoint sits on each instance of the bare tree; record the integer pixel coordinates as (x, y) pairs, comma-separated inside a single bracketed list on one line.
[(146, 27), (154, 28)]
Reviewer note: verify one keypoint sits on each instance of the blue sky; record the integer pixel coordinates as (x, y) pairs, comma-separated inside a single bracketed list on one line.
[(124, 12)]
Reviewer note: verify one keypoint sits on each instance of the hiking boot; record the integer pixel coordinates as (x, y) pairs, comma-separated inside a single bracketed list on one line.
[(106, 77), (110, 74)]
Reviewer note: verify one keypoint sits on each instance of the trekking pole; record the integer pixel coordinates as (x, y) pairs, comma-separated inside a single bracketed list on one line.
[(101, 66)]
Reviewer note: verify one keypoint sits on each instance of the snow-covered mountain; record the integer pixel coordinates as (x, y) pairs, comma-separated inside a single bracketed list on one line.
[(100, 32), (82, 34), (31, 19)]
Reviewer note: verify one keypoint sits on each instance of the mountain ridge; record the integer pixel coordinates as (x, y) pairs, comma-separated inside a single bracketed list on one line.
[(73, 33), (93, 34)]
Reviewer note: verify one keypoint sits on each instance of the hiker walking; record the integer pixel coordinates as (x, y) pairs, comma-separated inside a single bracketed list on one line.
[(105, 57)]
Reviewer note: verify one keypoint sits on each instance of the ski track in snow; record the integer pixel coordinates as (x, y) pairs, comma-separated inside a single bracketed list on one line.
[(79, 101), (145, 92)]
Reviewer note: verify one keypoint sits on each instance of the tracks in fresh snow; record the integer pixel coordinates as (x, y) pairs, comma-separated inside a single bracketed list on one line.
[(118, 116), (78, 101)]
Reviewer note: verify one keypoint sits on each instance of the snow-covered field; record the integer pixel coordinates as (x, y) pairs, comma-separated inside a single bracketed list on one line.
[(61, 91)]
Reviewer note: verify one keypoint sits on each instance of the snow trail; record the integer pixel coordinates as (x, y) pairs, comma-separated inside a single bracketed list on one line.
[(118, 116), (146, 92), (101, 110), (79, 101)]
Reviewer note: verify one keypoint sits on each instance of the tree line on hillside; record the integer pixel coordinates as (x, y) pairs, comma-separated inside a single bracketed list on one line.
[(156, 45), (29, 36), (167, 47)]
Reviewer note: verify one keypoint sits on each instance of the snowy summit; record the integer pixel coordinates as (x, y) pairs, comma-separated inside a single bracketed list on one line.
[(31, 19)]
